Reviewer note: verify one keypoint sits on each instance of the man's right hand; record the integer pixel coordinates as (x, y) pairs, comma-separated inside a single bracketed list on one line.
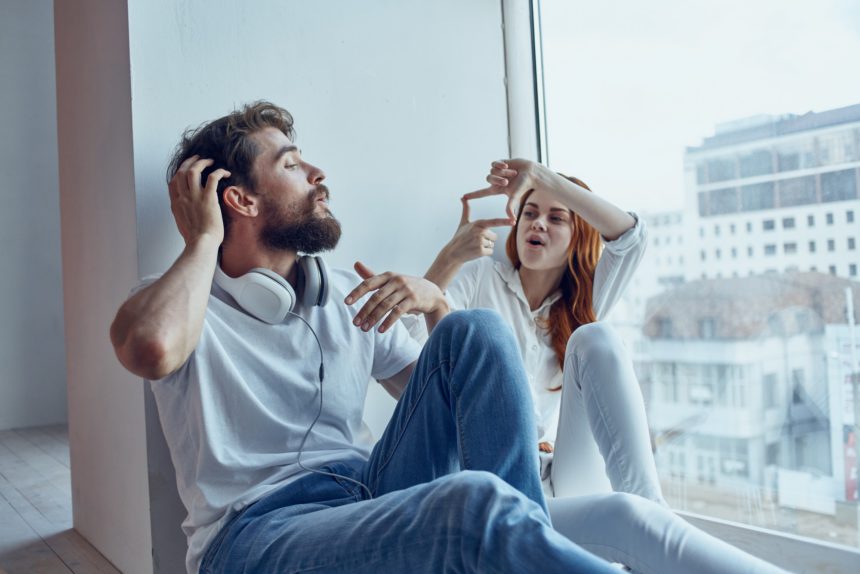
[(194, 207)]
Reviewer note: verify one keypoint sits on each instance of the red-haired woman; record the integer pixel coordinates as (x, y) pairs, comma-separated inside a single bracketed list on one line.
[(571, 255)]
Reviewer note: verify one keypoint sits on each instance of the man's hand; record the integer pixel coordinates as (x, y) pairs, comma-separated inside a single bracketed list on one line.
[(511, 177), (395, 295), (473, 239), (194, 207)]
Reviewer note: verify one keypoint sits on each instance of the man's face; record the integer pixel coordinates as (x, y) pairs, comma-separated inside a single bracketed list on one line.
[(294, 203)]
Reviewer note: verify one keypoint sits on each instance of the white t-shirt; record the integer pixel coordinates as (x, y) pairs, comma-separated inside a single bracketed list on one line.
[(490, 284), (235, 413)]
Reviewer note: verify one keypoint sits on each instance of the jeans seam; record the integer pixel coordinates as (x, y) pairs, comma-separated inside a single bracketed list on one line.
[(407, 420)]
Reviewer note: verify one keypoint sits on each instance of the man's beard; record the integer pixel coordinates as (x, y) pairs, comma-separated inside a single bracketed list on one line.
[(297, 228)]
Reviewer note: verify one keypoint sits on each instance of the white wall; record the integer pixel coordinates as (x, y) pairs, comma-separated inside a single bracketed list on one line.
[(402, 103), (32, 362)]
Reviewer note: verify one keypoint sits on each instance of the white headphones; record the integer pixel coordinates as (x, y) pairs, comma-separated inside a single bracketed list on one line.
[(269, 297)]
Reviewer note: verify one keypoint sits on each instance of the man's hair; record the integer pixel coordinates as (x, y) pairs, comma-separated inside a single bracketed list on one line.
[(228, 142)]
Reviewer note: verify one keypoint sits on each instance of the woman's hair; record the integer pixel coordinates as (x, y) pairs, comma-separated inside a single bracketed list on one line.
[(575, 306)]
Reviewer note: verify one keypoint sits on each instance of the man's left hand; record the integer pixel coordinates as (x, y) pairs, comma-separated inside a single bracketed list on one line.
[(395, 294)]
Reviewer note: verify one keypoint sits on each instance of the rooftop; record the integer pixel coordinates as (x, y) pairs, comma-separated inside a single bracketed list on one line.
[(764, 127)]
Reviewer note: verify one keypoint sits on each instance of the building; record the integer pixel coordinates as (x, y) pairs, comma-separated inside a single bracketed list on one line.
[(741, 383), (774, 194)]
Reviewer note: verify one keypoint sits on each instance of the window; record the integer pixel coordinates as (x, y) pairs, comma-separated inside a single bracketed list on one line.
[(797, 191), (832, 269), (829, 218), (728, 167), (716, 230), (831, 245), (839, 185), (717, 253), (732, 226), (852, 270), (851, 243), (849, 216)]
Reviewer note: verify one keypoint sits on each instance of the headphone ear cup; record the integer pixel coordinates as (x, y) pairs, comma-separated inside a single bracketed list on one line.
[(262, 293), (315, 290)]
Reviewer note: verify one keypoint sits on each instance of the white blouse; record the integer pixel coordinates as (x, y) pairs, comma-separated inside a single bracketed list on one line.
[(486, 283)]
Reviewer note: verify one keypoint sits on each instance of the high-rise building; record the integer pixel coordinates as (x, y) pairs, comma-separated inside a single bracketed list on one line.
[(775, 193)]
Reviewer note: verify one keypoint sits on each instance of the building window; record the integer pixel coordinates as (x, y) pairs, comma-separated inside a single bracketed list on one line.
[(701, 231), (789, 248), (721, 169), (707, 328), (849, 216), (757, 196), (721, 201), (831, 245), (750, 251), (702, 254), (852, 270), (851, 244), (812, 247), (716, 230), (770, 249), (770, 391), (832, 269), (732, 226), (788, 223), (797, 191), (829, 218), (749, 226), (717, 253), (734, 252), (768, 225), (664, 328), (838, 185), (810, 220)]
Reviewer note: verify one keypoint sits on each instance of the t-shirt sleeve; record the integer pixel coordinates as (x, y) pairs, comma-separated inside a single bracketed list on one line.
[(617, 265), (393, 351)]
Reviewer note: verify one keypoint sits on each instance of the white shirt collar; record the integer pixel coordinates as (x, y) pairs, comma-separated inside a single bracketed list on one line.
[(512, 279)]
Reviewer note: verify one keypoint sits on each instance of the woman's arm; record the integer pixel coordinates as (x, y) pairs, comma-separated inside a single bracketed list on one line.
[(514, 177)]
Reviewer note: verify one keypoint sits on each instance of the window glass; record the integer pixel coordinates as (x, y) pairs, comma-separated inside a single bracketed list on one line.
[(687, 109)]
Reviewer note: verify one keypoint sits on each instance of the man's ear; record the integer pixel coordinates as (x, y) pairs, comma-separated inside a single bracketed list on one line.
[(241, 202)]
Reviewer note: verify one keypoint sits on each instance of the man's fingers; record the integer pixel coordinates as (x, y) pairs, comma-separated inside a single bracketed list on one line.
[(363, 270), (373, 311), (498, 222), (214, 178), (486, 192), (396, 312), (192, 176), (464, 217)]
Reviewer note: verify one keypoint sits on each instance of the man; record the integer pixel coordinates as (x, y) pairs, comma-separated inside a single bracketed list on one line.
[(261, 397)]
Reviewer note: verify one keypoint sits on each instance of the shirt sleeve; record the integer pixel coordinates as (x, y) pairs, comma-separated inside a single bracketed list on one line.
[(617, 264), (393, 351), (460, 293)]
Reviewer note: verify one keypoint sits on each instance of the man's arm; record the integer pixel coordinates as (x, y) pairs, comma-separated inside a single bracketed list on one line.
[(156, 330), (396, 384)]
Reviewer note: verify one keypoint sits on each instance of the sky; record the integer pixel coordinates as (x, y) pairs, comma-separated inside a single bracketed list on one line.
[(630, 84)]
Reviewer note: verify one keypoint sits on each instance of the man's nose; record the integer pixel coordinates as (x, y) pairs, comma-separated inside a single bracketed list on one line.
[(315, 175)]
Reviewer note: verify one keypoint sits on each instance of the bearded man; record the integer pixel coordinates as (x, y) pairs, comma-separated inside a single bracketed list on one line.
[(244, 332)]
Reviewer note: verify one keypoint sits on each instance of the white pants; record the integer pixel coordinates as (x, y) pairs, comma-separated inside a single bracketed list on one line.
[(647, 537), (603, 444)]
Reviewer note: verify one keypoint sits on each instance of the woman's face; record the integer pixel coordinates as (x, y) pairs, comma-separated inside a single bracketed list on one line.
[(544, 232)]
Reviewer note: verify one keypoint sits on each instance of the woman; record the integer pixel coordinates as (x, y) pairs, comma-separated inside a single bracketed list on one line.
[(553, 289)]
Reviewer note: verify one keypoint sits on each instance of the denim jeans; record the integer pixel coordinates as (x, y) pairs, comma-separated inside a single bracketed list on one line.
[(454, 480)]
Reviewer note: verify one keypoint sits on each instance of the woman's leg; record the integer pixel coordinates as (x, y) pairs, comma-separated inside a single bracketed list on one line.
[(602, 411), (647, 537)]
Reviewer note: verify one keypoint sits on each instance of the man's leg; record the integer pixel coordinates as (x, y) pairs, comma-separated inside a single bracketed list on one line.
[(465, 522), (467, 406)]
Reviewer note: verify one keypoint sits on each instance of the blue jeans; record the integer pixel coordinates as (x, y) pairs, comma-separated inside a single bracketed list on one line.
[(454, 479)]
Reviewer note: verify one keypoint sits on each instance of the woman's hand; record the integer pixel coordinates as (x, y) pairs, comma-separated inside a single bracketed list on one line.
[(512, 177), (194, 207), (473, 239), (395, 294)]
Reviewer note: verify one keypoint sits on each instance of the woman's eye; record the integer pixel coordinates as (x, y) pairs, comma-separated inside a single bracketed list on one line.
[(557, 219), (291, 165), (528, 214)]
